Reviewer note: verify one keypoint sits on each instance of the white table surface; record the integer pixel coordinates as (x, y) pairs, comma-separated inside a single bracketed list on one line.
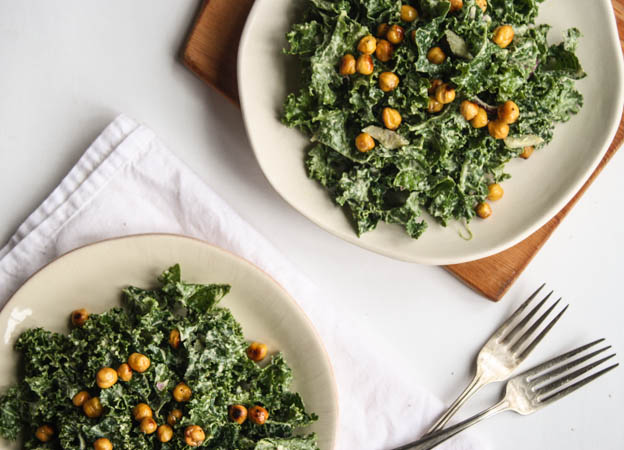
[(67, 68)]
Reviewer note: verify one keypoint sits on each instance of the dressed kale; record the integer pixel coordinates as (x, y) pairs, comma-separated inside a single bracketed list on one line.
[(444, 165), (211, 359)]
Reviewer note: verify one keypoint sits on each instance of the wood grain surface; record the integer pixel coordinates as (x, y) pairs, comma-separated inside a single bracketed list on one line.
[(211, 52)]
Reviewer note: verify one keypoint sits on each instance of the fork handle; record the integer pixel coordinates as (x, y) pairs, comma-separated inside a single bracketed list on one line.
[(434, 439), (477, 383)]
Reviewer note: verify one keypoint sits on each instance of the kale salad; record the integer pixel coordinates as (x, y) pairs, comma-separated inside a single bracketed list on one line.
[(417, 105), (170, 369)]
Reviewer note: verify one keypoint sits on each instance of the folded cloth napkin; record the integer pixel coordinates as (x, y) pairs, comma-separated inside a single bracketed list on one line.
[(127, 182)]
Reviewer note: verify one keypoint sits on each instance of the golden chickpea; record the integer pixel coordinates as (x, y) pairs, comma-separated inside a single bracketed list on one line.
[(106, 377), (482, 4), (365, 65), (445, 94), (79, 317), (409, 13), (382, 29), (395, 34), (435, 84), (484, 210), (103, 444), (174, 338), (124, 372), (434, 106), (384, 50), (44, 433), (80, 398), (527, 152), (258, 415), (174, 417), (164, 433), (508, 112), (92, 408), (391, 118), (347, 65), (364, 143), (480, 120), (182, 393), (436, 55), (388, 81), (468, 109), (495, 192), (194, 435), (238, 413), (141, 411), (498, 129), (139, 362), (456, 5), (503, 36), (148, 425), (367, 45)]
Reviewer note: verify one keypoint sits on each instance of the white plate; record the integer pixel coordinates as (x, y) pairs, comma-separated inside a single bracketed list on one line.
[(540, 187), (93, 276)]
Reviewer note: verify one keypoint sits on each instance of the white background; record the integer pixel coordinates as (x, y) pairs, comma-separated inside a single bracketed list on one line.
[(68, 68)]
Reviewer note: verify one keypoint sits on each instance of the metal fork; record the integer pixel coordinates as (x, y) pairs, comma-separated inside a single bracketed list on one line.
[(504, 351), (530, 391)]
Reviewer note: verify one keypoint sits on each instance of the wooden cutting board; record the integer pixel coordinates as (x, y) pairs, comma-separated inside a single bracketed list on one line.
[(211, 52)]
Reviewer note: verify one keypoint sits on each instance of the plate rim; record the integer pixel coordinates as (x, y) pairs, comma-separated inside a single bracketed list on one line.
[(415, 257)]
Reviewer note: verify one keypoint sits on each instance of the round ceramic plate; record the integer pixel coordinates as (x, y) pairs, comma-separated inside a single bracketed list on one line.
[(93, 276), (539, 187)]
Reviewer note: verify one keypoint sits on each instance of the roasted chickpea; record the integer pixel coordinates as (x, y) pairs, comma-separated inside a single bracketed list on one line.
[(388, 81), (92, 408), (435, 84), (164, 433), (468, 109), (508, 112), (503, 36), (495, 192), (367, 45), (148, 425), (395, 34), (434, 106), (174, 338), (484, 210), (436, 55), (347, 65), (44, 433), (498, 129), (258, 415), (382, 29), (124, 372), (384, 51), (139, 362), (174, 417), (80, 398), (445, 94), (480, 120), (238, 413), (364, 143), (79, 317), (194, 435), (527, 152), (391, 118), (182, 393), (103, 444), (365, 65), (482, 4), (106, 377), (408, 13), (141, 411), (456, 5)]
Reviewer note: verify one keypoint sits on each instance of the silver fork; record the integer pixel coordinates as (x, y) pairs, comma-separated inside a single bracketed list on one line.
[(504, 351), (530, 391)]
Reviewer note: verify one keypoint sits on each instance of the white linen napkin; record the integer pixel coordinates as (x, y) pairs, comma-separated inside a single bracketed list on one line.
[(127, 182)]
